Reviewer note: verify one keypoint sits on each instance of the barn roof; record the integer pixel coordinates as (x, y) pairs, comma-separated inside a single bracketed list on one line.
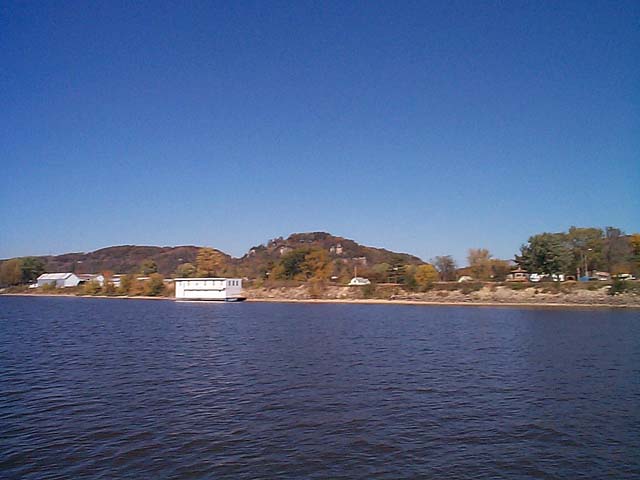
[(54, 276)]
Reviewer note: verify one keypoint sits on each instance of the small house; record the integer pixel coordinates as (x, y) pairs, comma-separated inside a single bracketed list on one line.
[(359, 282), (91, 277), (518, 275), (221, 289)]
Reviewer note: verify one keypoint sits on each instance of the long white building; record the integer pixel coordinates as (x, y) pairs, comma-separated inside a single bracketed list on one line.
[(68, 279), (60, 280), (222, 289)]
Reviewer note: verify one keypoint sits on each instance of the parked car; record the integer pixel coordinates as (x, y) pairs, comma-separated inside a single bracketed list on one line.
[(624, 276)]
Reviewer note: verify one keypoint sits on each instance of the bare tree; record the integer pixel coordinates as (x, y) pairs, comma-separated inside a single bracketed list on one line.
[(446, 267)]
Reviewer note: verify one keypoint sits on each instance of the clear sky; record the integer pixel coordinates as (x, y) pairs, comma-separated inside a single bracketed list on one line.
[(425, 127)]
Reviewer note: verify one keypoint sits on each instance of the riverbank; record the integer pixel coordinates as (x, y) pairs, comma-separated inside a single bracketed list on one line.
[(445, 304), (486, 296), (481, 295), (71, 295)]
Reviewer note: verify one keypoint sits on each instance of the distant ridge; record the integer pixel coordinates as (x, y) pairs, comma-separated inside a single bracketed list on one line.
[(122, 259), (128, 258)]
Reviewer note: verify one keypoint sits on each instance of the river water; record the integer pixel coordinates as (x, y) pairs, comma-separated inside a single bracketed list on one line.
[(100, 388)]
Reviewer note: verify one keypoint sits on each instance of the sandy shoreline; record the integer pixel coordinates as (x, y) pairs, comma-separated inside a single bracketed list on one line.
[(568, 305)]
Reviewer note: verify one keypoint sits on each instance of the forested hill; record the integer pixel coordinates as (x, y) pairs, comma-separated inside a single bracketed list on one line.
[(345, 254), (123, 259)]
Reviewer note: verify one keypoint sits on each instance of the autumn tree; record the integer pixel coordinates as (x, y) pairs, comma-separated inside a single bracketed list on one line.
[(11, 272), (108, 287), (446, 267), (317, 265), (209, 262), (92, 287), (425, 276), (480, 262)]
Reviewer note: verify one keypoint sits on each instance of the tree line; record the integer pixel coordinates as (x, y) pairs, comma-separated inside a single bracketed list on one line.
[(577, 251), (21, 271), (580, 251)]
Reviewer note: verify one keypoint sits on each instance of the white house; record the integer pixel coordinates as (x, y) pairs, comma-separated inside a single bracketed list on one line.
[(359, 282), (91, 277), (60, 280), (224, 289)]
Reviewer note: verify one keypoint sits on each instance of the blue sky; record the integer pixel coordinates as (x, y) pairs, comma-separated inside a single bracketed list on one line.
[(425, 127)]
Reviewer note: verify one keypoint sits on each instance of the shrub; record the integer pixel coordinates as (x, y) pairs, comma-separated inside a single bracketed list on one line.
[(91, 288), (468, 288), (109, 288), (49, 287), (154, 287), (369, 291), (316, 288)]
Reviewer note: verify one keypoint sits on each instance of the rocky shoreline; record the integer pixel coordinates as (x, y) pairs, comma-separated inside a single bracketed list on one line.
[(485, 296)]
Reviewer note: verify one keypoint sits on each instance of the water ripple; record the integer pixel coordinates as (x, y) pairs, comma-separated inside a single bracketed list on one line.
[(93, 388)]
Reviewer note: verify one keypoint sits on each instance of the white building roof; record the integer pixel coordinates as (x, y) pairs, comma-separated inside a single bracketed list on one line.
[(54, 276)]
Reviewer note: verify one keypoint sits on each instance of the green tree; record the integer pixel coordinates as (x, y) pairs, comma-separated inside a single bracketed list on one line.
[(290, 266), (409, 282), (148, 267), (446, 267), (11, 272), (617, 252), (32, 268), (425, 276), (209, 262), (397, 269), (186, 270), (634, 242), (587, 246), (546, 253), (380, 272)]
